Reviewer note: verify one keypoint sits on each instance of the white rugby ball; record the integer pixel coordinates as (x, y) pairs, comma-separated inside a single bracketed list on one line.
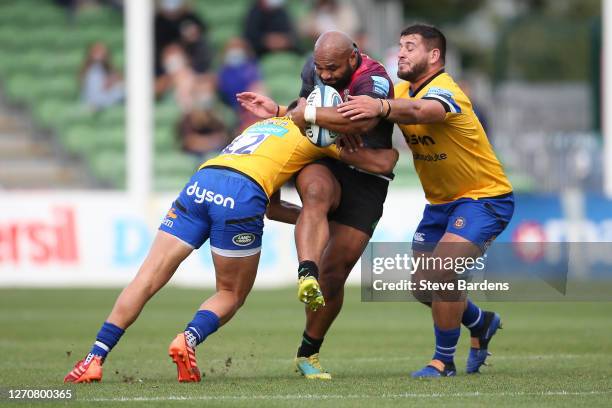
[(322, 96)]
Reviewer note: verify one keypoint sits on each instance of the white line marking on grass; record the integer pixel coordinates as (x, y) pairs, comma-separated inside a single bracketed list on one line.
[(495, 356), (335, 396)]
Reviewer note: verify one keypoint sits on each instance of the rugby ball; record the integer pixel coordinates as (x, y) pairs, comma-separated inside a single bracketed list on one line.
[(322, 96)]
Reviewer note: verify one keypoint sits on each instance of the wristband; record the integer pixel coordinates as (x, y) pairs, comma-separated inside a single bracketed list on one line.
[(389, 111), (310, 114), (382, 107)]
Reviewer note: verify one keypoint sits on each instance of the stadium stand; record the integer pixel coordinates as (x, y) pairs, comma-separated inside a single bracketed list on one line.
[(43, 50)]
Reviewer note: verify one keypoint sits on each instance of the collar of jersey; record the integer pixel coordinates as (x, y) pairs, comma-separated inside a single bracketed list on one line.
[(424, 84)]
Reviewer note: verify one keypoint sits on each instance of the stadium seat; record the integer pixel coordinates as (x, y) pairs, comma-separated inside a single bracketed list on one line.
[(113, 116), (59, 114), (173, 183), (79, 139), (51, 86), (165, 138), (110, 167), (229, 12), (109, 139), (175, 163), (285, 63), (220, 35), (166, 113), (98, 16), (283, 89), (16, 86)]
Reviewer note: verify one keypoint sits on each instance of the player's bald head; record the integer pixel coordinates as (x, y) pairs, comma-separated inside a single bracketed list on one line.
[(334, 44), (336, 57)]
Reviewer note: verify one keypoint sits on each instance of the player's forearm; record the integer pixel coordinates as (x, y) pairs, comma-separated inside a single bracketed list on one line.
[(283, 211), (403, 111), (378, 161), (410, 112), (329, 118)]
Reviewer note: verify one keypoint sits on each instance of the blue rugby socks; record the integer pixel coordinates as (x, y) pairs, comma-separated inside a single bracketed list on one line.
[(446, 344), (107, 338), (204, 323), (473, 318)]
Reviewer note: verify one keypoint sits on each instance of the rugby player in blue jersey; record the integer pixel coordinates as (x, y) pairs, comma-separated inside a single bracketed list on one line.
[(225, 201), (471, 200)]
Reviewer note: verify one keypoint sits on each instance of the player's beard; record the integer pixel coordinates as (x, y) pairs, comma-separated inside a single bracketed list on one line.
[(342, 82), (416, 73)]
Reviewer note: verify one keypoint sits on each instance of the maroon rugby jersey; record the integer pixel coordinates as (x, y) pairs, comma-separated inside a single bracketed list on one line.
[(370, 79)]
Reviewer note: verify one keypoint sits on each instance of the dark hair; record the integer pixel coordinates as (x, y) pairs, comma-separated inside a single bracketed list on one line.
[(292, 105), (432, 36)]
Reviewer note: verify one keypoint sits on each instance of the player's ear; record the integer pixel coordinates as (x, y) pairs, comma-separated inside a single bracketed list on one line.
[(434, 56), (354, 56)]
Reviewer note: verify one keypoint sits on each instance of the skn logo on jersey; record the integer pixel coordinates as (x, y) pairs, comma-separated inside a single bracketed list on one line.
[(210, 196), (422, 140), (169, 217)]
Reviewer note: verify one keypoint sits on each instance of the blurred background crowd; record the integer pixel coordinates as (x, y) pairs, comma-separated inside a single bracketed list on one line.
[(532, 68)]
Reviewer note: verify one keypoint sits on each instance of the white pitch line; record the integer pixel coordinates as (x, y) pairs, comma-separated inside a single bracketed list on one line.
[(337, 396), (493, 356)]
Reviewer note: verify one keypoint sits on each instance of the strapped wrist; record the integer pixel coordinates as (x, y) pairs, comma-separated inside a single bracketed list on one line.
[(310, 114)]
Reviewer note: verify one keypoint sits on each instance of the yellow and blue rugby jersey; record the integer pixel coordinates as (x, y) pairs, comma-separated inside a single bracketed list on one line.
[(270, 152), (453, 159)]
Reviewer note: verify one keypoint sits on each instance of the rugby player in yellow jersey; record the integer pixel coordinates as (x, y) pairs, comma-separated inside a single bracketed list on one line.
[(225, 201), (471, 199)]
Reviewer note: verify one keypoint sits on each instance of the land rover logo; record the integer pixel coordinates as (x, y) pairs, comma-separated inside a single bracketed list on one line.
[(243, 239)]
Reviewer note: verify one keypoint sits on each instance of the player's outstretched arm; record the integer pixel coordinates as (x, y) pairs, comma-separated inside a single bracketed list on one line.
[(378, 161), (330, 119), (282, 211), (261, 106), (402, 111)]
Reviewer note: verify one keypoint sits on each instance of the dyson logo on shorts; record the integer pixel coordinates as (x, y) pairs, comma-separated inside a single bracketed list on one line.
[(206, 195)]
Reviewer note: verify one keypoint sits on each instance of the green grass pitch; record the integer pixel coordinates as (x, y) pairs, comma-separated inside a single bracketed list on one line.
[(549, 354)]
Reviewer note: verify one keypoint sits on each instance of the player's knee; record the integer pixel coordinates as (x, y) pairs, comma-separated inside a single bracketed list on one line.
[(230, 299), (332, 289), (240, 299), (237, 300), (317, 195)]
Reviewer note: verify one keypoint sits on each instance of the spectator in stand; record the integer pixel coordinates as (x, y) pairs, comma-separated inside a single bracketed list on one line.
[(268, 28), (175, 23), (201, 132), (187, 87), (239, 73), (331, 15), (100, 83), (196, 46)]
